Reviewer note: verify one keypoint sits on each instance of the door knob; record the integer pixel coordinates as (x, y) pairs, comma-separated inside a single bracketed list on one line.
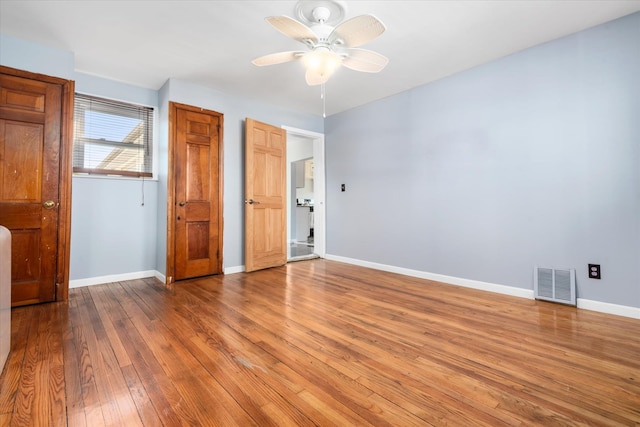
[(251, 202), (181, 203), (49, 204)]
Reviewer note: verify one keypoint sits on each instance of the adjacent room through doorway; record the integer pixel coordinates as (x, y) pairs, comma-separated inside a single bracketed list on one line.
[(306, 195)]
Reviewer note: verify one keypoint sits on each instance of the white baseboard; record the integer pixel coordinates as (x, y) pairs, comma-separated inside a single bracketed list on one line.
[(160, 276), (605, 307), (90, 281), (233, 270), (602, 307), (467, 283), (100, 280)]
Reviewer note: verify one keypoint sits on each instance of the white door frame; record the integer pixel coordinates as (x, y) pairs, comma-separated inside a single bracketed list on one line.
[(319, 196)]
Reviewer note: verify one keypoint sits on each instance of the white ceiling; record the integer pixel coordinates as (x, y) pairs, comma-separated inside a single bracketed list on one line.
[(212, 43)]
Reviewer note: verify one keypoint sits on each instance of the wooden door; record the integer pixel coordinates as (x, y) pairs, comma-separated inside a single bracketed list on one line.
[(196, 214), (265, 196), (33, 186)]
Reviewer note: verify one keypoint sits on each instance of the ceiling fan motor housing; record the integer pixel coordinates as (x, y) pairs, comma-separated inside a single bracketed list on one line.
[(322, 31)]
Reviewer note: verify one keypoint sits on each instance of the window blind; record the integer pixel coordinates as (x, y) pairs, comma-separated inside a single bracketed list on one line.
[(112, 137)]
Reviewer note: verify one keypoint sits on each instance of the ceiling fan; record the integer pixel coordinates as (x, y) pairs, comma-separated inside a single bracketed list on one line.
[(328, 47)]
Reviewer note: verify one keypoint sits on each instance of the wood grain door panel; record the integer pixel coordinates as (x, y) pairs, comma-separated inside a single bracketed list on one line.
[(197, 207), (30, 142), (266, 216), (25, 264), (23, 145)]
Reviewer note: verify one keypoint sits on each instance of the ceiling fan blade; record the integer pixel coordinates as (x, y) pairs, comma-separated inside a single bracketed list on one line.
[(292, 28), (277, 58), (314, 78), (357, 31), (365, 60)]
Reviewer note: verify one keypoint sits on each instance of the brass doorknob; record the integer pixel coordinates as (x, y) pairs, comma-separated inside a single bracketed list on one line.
[(49, 204), (181, 203)]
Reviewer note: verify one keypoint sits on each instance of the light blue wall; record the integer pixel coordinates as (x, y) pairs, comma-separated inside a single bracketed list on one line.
[(531, 159), (111, 233), (100, 86), (235, 110), (25, 55), (163, 159)]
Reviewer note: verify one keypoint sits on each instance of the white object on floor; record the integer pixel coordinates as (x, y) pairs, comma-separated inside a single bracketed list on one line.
[(5, 295)]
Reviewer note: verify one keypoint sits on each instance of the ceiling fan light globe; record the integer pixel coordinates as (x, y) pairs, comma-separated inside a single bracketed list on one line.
[(322, 61)]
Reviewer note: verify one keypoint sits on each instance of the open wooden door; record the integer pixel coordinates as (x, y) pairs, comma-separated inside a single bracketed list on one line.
[(265, 196), (195, 196), (35, 182)]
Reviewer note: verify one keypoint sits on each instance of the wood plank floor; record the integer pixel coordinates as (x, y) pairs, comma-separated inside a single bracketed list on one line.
[(316, 343)]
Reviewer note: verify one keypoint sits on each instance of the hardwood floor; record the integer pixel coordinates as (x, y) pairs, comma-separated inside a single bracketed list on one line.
[(316, 343)]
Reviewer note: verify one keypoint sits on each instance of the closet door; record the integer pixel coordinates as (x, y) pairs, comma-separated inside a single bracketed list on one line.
[(31, 114), (195, 208)]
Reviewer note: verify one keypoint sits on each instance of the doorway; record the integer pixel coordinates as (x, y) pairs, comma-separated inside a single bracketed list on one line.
[(306, 191)]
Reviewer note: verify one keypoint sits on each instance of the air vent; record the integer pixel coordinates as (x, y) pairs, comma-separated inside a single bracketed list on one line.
[(557, 285)]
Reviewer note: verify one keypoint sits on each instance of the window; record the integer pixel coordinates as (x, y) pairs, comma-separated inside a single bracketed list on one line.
[(112, 137)]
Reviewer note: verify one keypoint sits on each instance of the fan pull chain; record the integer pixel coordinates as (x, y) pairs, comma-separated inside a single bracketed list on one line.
[(324, 101)]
